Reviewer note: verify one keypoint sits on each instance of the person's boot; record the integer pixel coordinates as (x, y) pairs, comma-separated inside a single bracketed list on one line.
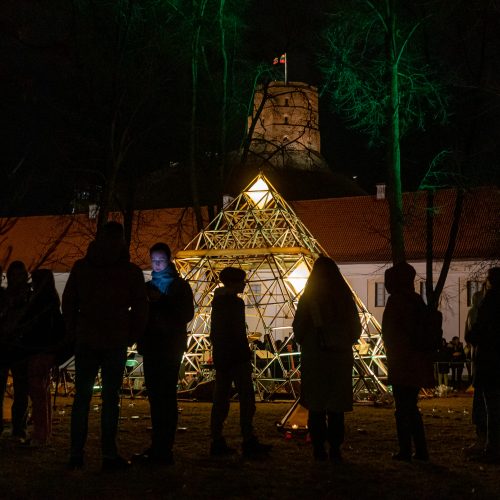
[(319, 452), (335, 433), (318, 434), (219, 448), (403, 429), (252, 447), (418, 432)]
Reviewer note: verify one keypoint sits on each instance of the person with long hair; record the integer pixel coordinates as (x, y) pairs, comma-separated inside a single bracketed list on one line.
[(44, 334), (326, 326)]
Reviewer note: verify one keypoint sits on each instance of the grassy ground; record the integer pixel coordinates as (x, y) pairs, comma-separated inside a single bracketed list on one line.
[(289, 472)]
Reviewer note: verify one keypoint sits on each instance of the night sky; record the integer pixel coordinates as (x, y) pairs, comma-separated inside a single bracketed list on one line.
[(72, 73)]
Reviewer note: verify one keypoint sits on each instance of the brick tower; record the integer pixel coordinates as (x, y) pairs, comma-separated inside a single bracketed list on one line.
[(286, 129)]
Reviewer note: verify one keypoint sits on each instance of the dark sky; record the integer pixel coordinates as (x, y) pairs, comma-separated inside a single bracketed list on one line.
[(55, 117)]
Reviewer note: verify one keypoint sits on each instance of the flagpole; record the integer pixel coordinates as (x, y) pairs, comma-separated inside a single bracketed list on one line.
[(286, 69)]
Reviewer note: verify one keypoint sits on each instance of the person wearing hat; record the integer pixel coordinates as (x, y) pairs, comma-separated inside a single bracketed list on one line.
[(232, 362)]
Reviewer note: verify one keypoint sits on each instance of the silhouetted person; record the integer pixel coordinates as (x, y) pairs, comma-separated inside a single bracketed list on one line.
[(4, 370), (442, 357), (485, 337), (457, 362), (162, 346), (409, 366), (232, 362), (43, 337), (326, 326), (478, 405), (105, 310), (15, 303)]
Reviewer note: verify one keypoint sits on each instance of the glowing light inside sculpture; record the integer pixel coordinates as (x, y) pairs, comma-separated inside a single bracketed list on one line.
[(259, 193), (298, 277)]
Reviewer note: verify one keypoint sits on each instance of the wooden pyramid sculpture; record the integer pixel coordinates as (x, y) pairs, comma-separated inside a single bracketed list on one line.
[(259, 232)]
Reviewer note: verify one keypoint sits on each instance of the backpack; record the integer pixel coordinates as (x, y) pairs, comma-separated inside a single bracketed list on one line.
[(430, 331)]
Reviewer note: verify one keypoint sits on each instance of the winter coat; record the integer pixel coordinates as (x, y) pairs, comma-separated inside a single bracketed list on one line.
[(13, 306), (168, 316), (45, 329), (104, 303), (228, 330), (326, 336), (485, 337), (408, 365)]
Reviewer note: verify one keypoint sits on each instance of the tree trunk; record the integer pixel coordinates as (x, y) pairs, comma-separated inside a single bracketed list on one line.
[(394, 157), (193, 170), (429, 247), (223, 128)]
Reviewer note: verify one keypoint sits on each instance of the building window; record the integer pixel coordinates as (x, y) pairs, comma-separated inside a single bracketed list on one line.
[(286, 102), (380, 295), (286, 120), (472, 288)]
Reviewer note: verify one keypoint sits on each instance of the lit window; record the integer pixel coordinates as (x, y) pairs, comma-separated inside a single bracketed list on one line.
[(380, 295), (472, 288)]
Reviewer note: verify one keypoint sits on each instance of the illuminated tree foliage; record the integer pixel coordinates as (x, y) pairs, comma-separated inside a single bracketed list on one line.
[(376, 77)]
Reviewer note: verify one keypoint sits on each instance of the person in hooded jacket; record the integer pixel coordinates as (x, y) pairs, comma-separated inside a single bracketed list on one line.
[(326, 325), (409, 366), (484, 336), (105, 308), (162, 346)]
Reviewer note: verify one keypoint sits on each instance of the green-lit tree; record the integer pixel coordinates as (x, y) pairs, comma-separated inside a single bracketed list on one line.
[(378, 79)]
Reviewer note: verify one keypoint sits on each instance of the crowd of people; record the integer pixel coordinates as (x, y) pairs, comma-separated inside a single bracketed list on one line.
[(451, 358), (107, 307)]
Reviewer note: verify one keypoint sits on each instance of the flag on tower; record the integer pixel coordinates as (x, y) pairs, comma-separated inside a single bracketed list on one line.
[(280, 60)]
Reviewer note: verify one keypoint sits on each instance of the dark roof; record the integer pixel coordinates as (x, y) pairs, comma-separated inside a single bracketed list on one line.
[(353, 229), (357, 229)]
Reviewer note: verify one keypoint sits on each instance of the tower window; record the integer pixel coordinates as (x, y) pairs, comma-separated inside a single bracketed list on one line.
[(286, 102), (286, 120)]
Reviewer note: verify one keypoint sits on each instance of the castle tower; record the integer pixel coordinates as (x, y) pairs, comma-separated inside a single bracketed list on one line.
[(286, 125)]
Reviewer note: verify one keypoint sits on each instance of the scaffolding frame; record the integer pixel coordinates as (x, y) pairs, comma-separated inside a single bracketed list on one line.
[(260, 233)]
